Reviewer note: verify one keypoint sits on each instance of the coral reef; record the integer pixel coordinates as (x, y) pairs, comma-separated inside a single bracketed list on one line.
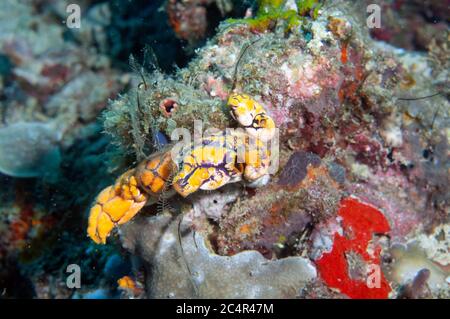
[(359, 156), (357, 123)]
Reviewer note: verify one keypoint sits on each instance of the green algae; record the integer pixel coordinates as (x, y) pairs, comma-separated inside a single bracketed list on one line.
[(272, 12)]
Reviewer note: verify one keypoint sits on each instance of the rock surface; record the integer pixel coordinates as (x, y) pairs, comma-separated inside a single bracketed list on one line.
[(245, 275)]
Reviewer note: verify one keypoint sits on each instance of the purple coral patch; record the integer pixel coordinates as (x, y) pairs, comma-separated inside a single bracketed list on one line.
[(296, 168)]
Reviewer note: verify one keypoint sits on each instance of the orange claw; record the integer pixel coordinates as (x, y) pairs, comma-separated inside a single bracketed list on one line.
[(115, 205), (154, 173)]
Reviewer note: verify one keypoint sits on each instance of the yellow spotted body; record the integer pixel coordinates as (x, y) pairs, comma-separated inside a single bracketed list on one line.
[(115, 205), (209, 164), (252, 116)]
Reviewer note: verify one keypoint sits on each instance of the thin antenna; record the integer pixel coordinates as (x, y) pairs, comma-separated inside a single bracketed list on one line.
[(241, 55), (184, 256), (138, 101), (423, 98), (418, 98), (138, 69)]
